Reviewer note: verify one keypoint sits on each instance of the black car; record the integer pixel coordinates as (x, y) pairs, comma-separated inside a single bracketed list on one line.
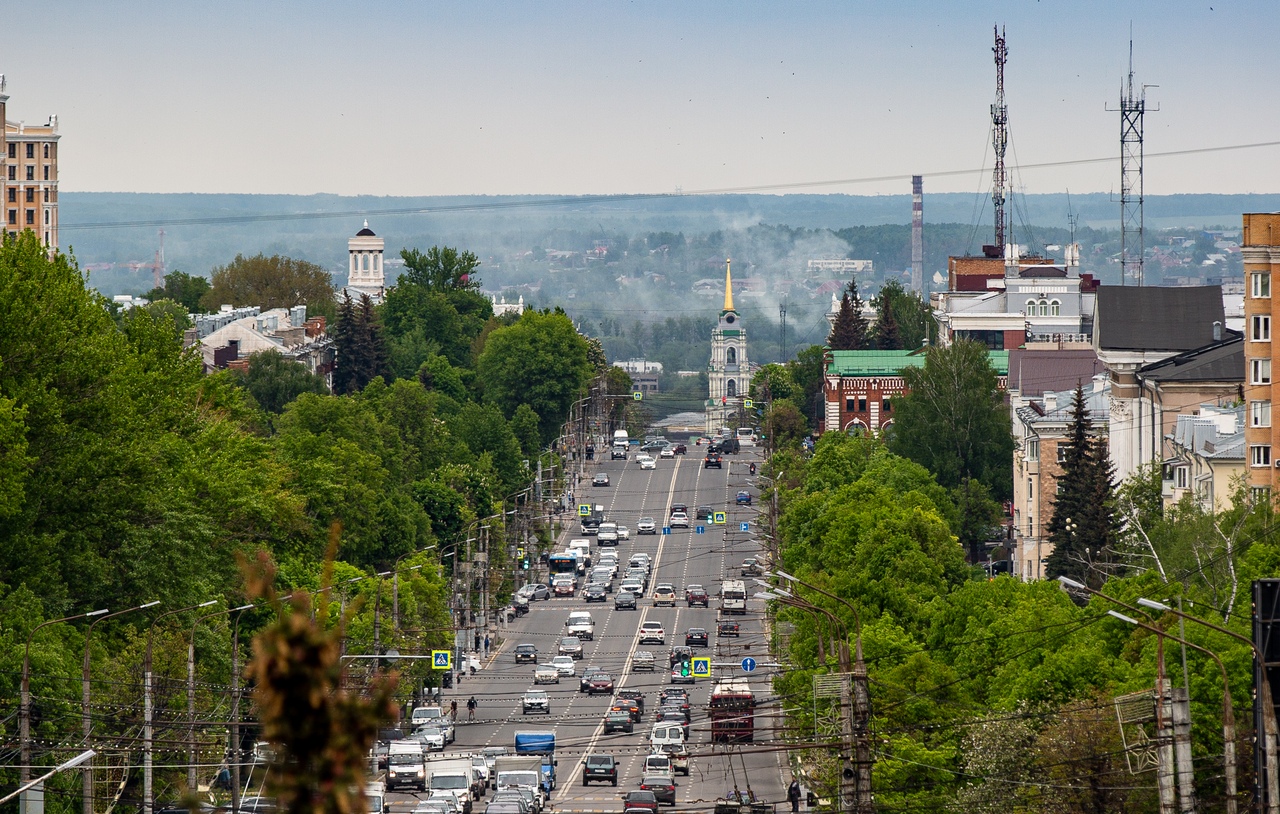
[(624, 600), (727, 628), (662, 786), (680, 449), (632, 695), (595, 593), (679, 654), (618, 721), (706, 513), (696, 637), (601, 479), (601, 767), (712, 459), (526, 654)]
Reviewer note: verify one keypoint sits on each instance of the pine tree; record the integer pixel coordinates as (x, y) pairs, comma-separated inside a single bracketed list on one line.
[(888, 336), (849, 331), (345, 347), (1083, 527), (375, 343)]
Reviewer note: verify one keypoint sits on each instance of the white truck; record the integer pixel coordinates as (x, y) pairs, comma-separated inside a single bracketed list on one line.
[(620, 444), (733, 596), (406, 765), (452, 777), (522, 772), (580, 624)]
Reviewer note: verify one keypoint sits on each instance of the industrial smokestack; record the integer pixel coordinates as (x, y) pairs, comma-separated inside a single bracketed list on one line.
[(917, 234)]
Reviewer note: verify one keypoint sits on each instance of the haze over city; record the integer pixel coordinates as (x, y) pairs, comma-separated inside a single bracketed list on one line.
[(404, 98)]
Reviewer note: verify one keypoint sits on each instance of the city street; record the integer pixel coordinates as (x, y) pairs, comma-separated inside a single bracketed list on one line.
[(681, 558)]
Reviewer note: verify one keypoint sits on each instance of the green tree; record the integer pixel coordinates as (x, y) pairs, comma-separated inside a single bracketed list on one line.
[(773, 382), (978, 517), (807, 371), (886, 335), (275, 381), (435, 307), (440, 269), (1083, 527), (270, 282), (909, 315), (540, 361), (359, 345), (953, 419), (849, 331), (183, 289), (525, 426), (437, 374)]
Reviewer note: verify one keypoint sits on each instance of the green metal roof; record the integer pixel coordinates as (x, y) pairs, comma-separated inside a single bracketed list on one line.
[(892, 362)]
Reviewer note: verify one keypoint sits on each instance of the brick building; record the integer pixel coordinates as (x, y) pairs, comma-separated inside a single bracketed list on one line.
[(1260, 247), (29, 175)]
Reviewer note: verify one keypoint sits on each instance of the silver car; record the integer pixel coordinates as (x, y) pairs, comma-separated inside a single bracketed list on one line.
[(646, 525)]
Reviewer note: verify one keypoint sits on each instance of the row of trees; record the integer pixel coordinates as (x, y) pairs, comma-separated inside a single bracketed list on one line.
[(903, 320), (128, 475)]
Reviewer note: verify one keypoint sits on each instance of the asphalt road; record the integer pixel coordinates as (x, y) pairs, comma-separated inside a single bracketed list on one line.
[(681, 558)]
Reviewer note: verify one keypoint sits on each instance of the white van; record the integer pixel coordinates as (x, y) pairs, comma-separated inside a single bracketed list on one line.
[(426, 715), (658, 764), (666, 734), (580, 624)]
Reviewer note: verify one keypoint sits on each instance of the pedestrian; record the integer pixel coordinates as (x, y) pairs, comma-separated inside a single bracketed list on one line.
[(453, 710), (486, 645), (793, 794), (471, 708)]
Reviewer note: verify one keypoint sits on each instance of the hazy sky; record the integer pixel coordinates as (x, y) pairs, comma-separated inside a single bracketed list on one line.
[(424, 98)]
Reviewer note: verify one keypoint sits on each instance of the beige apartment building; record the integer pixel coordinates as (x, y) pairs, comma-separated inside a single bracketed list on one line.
[(29, 175), (1260, 247)]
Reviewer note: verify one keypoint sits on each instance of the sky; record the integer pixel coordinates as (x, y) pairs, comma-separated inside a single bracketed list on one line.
[(413, 97)]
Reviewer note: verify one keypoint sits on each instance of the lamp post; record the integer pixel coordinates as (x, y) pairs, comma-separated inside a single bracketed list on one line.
[(191, 695), (860, 720), (1270, 729), (1228, 714), (86, 720), (148, 728), (61, 767), (24, 705)]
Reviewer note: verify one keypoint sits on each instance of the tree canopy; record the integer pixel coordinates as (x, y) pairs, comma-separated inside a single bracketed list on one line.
[(270, 282), (849, 330)]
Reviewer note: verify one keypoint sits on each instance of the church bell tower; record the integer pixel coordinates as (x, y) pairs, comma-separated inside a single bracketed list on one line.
[(728, 374)]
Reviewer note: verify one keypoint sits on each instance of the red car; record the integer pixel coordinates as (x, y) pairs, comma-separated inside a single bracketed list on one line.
[(697, 595), (680, 449), (598, 682)]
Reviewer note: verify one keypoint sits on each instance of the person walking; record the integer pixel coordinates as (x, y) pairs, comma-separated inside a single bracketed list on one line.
[(471, 708), (486, 645), (793, 794), (453, 710)]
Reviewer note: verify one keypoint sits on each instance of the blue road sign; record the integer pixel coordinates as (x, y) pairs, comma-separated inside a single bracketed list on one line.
[(748, 664), (584, 510), (441, 659), (638, 396), (700, 530), (718, 518), (666, 529), (746, 527), (702, 667)]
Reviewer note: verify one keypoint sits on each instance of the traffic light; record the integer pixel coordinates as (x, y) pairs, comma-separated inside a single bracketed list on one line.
[(685, 669), (524, 564)]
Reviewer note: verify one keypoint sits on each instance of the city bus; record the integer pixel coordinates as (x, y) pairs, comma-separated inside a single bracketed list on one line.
[(565, 562), (732, 712)]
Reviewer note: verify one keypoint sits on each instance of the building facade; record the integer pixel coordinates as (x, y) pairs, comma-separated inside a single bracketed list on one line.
[(228, 338), (365, 273), (729, 371), (29, 175), (1260, 248), (1207, 457)]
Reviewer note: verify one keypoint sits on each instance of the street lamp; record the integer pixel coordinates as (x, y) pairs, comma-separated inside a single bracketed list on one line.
[(24, 706), (86, 721), (61, 767), (147, 707), (191, 695), (1228, 713)]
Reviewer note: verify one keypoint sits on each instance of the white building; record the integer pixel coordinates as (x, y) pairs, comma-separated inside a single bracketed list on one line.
[(365, 274), (729, 372)]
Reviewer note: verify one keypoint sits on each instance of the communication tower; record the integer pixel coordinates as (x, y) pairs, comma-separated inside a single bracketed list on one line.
[(1133, 105), (999, 139)]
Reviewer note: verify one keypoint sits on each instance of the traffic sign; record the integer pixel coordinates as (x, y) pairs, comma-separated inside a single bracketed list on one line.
[(584, 510), (666, 529), (748, 403), (637, 395), (701, 667), (746, 527), (700, 530), (748, 664), (441, 660), (718, 519)]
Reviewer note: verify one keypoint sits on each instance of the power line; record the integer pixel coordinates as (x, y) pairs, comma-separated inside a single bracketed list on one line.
[(580, 200)]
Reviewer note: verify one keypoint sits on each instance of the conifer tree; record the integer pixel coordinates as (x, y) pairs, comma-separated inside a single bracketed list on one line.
[(849, 331), (345, 347), (1083, 527), (887, 334)]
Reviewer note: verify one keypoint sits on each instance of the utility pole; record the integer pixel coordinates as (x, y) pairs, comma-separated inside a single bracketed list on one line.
[(1164, 736), (1181, 708), (782, 315), (861, 732)]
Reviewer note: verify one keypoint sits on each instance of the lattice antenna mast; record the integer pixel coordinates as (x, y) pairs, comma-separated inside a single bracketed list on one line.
[(999, 139), (1133, 105)]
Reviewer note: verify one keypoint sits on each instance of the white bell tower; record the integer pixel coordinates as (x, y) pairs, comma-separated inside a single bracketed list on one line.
[(728, 373), (364, 264)]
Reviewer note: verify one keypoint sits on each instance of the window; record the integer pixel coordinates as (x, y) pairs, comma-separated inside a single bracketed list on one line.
[(31, 194), (1031, 493), (13, 216), (731, 355), (46, 195), (1260, 455), (1055, 308), (1260, 371), (13, 195), (862, 405), (1260, 328), (13, 173), (46, 172), (1260, 494), (1031, 308), (850, 405), (731, 388), (1063, 448), (1259, 414), (31, 173), (1180, 477), (887, 405), (46, 217), (1260, 284), (31, 216), (13, 150), (46, 151), (1033, 449), (31, 151)]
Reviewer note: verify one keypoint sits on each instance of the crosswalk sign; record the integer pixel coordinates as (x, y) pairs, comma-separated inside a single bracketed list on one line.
[(747, 403), (441, 660), (719, 519), (584, 510), (701, 667), (637, 395)]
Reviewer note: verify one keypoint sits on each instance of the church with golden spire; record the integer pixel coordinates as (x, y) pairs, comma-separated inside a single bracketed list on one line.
[(728, 373)]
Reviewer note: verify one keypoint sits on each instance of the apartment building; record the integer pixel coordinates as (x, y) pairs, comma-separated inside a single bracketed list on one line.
[(29, 175), (1260, 247)]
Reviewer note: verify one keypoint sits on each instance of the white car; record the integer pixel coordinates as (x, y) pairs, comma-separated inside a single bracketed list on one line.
[(667, 452), (646, 526), (678, 520), (647, 463), (652, 633), (624, 533), (432, 737), (566, 665), (547, 674)]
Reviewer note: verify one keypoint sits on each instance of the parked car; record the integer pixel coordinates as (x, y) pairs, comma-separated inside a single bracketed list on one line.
[(624, 600), (743, 499), (601, 479), (601, 767), (535, 701), (645, 525), (618, 721), (696, 637), (526, 654)]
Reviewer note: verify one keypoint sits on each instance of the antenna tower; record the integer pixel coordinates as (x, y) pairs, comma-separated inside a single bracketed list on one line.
[(917, 233), (999, 139), (1132, 108)]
